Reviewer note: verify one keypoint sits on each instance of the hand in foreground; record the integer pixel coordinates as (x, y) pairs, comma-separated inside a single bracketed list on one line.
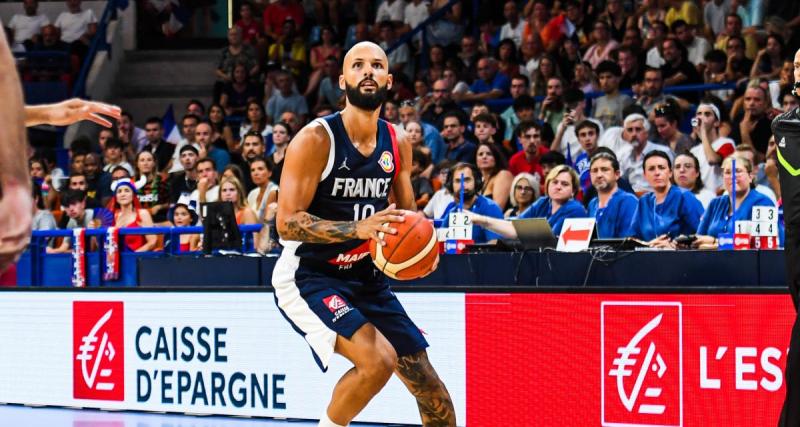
[(372, 226), (15, 223), (74, 110)]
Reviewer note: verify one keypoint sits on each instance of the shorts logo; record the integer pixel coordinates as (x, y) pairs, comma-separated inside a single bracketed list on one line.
[(98, 368), (642, 369), (386, 162), (337, 306)]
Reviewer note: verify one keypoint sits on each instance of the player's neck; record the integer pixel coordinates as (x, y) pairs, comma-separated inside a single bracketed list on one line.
[(360, 125)]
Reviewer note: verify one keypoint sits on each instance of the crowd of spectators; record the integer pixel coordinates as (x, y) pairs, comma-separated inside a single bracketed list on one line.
[(553, 109)]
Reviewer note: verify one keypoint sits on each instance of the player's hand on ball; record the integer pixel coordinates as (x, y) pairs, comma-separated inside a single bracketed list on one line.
[(379, 222)]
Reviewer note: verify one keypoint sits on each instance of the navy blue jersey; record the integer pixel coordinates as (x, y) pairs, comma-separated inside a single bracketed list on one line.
[(351, 188)]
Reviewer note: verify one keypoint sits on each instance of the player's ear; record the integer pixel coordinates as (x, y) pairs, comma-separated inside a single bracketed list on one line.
[(389, 81), (342, 85)]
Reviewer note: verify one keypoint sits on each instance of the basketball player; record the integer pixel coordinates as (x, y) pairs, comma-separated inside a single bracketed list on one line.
[(786, 129), (16, 203), (340, 173)]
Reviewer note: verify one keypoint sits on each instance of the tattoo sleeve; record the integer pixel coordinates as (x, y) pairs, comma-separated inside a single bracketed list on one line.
[(433, 400), (305, 227)]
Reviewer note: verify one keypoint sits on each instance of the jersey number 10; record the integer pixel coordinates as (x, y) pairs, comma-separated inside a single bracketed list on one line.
[(361, 212)]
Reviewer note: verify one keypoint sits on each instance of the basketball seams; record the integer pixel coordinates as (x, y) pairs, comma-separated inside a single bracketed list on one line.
[(430, 246)]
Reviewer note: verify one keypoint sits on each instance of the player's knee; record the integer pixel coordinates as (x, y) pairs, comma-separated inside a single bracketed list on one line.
[(379, 369)]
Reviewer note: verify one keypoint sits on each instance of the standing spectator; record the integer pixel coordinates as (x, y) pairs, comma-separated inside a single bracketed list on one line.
[(231, 190), (265, 192), (494, 172), (713, 147), (489, 85), (754, 124), (484, 207), (276, 14), (184, 182), (207, 190), (459, 149), (152, 189), (203, 137), (238, 92), (328, 50), (285, 98), (527, 159), (235, 52), (601, 50), (687, 176), (513, 27), (667, 211), (613, 208), (524, 191), (162, 150), (114, 157), (289, 50), (27, 27), (129, 214), (608, 108), (77, 27)]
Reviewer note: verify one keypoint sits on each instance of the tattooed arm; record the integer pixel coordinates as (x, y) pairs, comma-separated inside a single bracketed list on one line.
[(304, 163), (433, 400)]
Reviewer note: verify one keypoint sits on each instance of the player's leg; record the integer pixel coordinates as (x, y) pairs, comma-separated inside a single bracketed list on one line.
[(790, 415), (433, 399), (374, 360)]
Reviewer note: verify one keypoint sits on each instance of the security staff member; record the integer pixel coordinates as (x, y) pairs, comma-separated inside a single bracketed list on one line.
[(786, 129)]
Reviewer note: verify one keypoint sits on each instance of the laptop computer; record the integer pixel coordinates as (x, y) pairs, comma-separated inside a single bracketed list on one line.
[(534, 233), (618, 244)]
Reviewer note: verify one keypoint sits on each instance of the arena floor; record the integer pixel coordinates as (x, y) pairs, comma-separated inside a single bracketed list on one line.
[(18, 416)]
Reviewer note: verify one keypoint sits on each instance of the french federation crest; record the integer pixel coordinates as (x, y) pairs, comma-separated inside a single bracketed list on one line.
[(386, 162)]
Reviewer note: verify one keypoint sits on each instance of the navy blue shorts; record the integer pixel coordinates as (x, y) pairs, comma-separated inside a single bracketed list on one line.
[(320, 307)]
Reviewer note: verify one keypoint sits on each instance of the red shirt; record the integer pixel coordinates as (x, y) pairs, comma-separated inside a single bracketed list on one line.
[(276, 13), (518, 163), (249, 31)]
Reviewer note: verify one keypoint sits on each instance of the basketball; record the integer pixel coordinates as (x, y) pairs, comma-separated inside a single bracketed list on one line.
[(411, 252)]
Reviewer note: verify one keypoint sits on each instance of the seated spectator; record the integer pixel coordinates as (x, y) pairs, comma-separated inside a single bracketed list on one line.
[(182, 215), (265, 194), (631, 158), (184, 182), (601, 50), (733, 28), (547, 69), (667, 117), (632, 69), (203, 137), (77, 27), (400, 57), (613, 208), (713, 148), (328, 48), (98, 182), (442, 197), (717, 218), (566, 140), (26, 27), (238, 92), (285, 98), (765, 173), (392, 11), (441, 103), (677, 69), (256, 120), (251, 30), (329, 92), (78, 181), (558, 205), (207, 189), (231, 190), (588, 134), (42, 218), (553, 108), (687, 176), (651, 93), (459, 149), (524, 109), (220, 128), (524, 191), (74, 204), (754, 123), (473, 202), (277, 12), (423, 189), (235, 52), (114, 157), (608, 108), (281, 136), (289, 50), (162, 150), (696, 46), (666, 212), (129, 214), (431, 138), (490, 83), (151, 190), (50, 67), (528, 159), (512, 29), (655, 43), (494, 173), (447, 30), (130, 134)]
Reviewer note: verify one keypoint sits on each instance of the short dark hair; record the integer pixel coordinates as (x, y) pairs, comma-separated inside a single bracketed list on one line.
[(196, 102), (81, 145), (189, 147), (716, 55), (735, 37), (678, 24), (524, 102), (208, 160), (609, 67), (453, 113), (656, 153), (522, 77), (573, 96), (70, 196), (523, 127), (267, 161), (114, 143), (486, 118), (588, 124), (254, 133), (121, 168), (153, 120), (552, 158), (190, 116), (605, 154), (126, 113)]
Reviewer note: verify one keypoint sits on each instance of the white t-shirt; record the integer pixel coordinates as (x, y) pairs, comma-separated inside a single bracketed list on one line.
[(74, 25), (416, 13), (507, 32), (698, 50), (391, 12), (654, 59), (25, 26), (252, 199), (711, 175), (570, 139), (705, 196), (212, 195), (438, 203)]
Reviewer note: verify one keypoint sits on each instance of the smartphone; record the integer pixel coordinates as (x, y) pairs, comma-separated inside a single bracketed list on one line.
[(695, 122)]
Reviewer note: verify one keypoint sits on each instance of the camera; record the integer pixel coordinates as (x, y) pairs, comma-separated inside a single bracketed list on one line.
[(695, 121)]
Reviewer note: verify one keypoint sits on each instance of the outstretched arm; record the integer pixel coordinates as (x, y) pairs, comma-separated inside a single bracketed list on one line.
[(71, 111)]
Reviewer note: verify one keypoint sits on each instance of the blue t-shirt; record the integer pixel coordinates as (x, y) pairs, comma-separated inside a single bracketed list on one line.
[(499, 82), (482, 206), (614, 219), (463, 153), (543, 208), (717, 220), (678, 214), (221, 158)]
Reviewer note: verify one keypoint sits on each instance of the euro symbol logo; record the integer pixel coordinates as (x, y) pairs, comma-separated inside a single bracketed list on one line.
[(627, 360), (87, 353)]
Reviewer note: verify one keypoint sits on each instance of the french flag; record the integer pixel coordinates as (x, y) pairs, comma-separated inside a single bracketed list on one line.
[(171, 132)]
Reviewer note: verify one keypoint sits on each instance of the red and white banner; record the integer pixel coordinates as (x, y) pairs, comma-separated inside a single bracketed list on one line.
[(112, 254), (626, 359), (79, 257)]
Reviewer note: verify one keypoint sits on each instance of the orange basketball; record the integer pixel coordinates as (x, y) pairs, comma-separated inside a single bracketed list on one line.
[(411, 252)]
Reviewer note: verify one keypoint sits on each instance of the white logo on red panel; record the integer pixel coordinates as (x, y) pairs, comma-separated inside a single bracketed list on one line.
[(642, 370), (337, 305), (98, 350)]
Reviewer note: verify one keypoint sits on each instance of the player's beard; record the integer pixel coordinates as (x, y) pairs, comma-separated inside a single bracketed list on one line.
[(366, 101)]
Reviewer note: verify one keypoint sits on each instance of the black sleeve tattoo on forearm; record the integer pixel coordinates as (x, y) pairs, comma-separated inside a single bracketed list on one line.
[(433, 399), (304, 227)]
